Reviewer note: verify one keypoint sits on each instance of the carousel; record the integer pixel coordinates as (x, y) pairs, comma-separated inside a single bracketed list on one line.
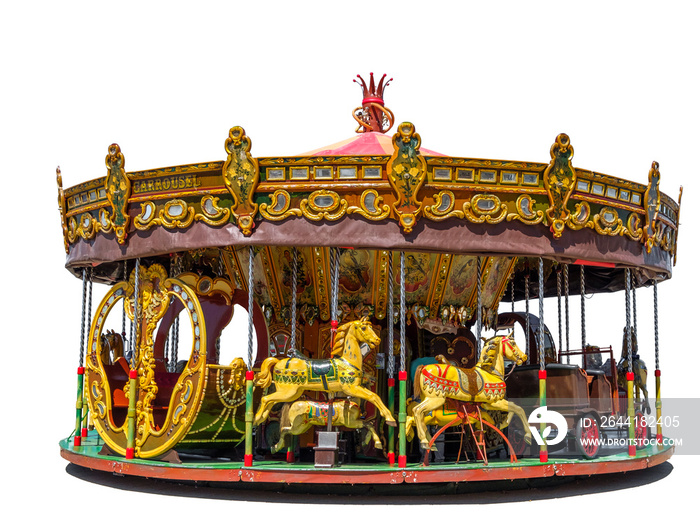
[(378, 281)]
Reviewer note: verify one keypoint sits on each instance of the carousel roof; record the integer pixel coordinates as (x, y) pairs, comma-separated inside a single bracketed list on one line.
[(378, 193), (367, 143)]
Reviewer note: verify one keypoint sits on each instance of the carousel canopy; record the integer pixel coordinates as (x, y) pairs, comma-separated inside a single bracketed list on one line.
[(376, 193)]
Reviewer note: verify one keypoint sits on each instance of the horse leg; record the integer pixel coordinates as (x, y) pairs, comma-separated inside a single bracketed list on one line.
[(426, 405), (372, 433), (281, 395), (368, 395), (512, 409)]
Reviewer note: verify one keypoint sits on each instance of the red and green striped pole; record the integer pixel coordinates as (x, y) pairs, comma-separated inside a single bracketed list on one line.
[(81, 369), (544, 456)]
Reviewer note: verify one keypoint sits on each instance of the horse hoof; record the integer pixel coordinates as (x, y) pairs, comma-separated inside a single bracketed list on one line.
[(378, 445), (391, 423)]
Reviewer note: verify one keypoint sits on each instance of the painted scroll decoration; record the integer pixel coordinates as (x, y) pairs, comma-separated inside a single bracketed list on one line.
[(241, 176), (559, 179), (651, 206), (118, 187), (407, 170)]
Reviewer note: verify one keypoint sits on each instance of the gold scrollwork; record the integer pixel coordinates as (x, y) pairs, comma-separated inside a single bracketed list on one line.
[(526, 211), (485, 208), (652, 202), (381, 283), (406, 171), (87, 227), (323, 204), (370, 206), (241, 175), (118, 187), (280, 208), (212, 214), (608, 222), (174, 214), (633, 228), (62, 207), (147, 217), (443, 208), (580, 218), (559, 179)]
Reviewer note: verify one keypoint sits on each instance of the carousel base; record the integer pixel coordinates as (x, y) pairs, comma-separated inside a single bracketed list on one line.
[(277, 472)]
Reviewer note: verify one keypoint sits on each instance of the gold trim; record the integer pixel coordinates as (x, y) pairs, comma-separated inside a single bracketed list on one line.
[(320, 260), (559, 179), (499, 210), (380, 291), (381, 212), (241, 175), (118, 188), (533, 216), (220, 215), (436, 212), (439, 282), (282, 213), (406, 172), (332, 212)]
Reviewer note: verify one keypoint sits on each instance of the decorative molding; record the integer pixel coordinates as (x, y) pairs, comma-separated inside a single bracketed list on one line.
[(406, 171), (559, 180), (118, 187), (241, 175)]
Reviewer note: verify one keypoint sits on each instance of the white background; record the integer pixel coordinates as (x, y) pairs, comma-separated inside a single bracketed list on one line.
[(166, 80)]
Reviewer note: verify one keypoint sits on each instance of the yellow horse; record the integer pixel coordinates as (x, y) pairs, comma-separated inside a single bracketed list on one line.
[(482, 384), (343, 373), (299, 416)]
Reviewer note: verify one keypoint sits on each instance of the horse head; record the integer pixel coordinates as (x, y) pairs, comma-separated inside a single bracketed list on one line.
[(511, 351), (364, 332)]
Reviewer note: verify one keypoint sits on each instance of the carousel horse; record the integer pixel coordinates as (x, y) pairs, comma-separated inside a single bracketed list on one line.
[(112, 347), (299, 416), (440, 417), (639, 368), (341, 374), (482, 384)]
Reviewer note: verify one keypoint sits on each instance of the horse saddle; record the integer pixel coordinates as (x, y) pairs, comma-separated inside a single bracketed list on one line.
[(470, 381), (321, 368)]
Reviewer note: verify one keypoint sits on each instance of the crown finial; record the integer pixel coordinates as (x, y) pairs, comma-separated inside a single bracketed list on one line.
[(373, 116)]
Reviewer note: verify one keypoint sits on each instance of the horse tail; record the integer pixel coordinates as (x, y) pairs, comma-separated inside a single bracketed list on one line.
[(284, 416), (264, 377), (416, 381)]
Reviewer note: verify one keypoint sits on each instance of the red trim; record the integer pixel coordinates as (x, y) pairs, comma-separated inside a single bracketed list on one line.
[(542, 374), (391, 382), (129, 453), (249, 375), (84, 433), (334, 324), (659, 438), (632, 451), (373, 99), (402, 461), (81, 371), (630, 376), (295, 475), (248, 460), (403, 375), (392, 458), (544, 458), (290, 457), (133, 374), (76, 441), (594, 264), (657, 373)]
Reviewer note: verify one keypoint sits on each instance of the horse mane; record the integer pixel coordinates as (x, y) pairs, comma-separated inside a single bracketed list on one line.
[(488, 354), (339, 343)]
